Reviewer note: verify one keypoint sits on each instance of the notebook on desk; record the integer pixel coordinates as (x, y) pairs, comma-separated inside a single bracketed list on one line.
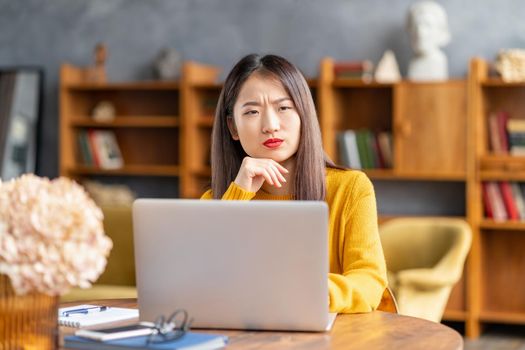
[(79, 320), (259, 265)]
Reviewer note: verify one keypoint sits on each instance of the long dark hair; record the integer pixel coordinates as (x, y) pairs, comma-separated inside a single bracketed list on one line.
[(227, 154)]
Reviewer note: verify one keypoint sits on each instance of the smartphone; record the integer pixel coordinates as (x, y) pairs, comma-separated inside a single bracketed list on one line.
[(114, 333)]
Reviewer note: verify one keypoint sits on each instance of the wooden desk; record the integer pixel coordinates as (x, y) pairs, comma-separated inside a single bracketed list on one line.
[(373, 330)]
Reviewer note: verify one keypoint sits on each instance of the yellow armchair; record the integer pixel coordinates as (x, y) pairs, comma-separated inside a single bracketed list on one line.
[(118, 279), (425, 258)]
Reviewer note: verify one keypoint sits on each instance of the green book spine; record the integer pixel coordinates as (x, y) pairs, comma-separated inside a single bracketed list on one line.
[(362, 148), (84, 147)]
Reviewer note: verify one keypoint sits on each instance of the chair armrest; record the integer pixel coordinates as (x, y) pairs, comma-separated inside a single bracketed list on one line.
[(425, 278)]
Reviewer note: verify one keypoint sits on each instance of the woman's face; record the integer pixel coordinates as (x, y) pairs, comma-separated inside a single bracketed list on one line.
[(265, 119)]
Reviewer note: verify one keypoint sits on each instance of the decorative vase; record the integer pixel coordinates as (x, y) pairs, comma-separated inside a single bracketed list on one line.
[(27, 321)]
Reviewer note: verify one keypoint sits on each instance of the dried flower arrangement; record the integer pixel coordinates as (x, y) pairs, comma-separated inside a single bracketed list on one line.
[(51, 235)]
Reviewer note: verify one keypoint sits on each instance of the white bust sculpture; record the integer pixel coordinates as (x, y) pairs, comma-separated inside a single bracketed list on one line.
[(428, 28)]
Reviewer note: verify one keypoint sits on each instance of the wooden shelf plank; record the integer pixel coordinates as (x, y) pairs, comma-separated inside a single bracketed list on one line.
[(139, 85), (312, 82), (212, 85), (505, 225), (498, 82), (206, 122), (204, 172), (502, 162), (503, 317), (129, 122), (128, 170), (454, 315), (357, 83), (502, 175), (389, 174)]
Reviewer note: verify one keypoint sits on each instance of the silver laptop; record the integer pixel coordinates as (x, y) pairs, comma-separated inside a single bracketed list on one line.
[(259, 265)]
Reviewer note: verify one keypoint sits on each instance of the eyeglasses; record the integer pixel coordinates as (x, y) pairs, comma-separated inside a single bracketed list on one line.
[(172, 328)]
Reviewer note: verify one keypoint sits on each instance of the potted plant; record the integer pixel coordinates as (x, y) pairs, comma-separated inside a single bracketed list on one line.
[(51, 239)]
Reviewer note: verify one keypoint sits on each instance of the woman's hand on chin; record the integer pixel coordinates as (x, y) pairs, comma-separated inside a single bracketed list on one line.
[(255, 171)]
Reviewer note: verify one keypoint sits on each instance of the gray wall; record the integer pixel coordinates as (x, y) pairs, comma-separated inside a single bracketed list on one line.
[(49, 32)]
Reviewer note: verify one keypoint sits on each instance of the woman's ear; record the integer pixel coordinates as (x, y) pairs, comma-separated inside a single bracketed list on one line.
[(233, 129)]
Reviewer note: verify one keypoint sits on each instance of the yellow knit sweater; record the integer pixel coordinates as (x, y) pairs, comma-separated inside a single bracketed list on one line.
[(357, 275)]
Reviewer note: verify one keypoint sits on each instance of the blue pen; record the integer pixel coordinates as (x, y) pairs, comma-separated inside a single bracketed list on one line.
[(85, 310)]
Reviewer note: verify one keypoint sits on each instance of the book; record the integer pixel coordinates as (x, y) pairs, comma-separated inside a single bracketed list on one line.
[(91, 136), (112, 314), (190, 341), (518, 197), (373, 150), (508, 200), (516, 133), (487, 204), (385, 147), (502, 118), (362, 147), (351, 146), (494, 135), (516, 125), (377, 149), (344, 158), (85, 150), (496, 201), (107, 149), (354, 70)]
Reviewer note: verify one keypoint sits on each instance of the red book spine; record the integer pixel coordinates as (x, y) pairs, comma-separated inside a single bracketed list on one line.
[(349, 66), (94, 149), (379, 151), (508, 199), (353, 66), (489, 212)]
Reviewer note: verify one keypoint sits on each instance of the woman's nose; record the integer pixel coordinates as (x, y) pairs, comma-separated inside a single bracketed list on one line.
[(270, 122)]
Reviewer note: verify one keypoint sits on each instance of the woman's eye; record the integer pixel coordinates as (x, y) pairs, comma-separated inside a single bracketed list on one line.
[(284, 108), (251, 112)]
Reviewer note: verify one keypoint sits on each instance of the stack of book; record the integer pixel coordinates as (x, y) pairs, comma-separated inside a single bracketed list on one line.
[(507, 135), (504, 200), (364, 149), (362, 70), (99, 148), (190, 341)]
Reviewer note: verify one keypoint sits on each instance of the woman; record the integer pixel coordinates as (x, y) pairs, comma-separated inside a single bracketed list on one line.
[(266, 145)]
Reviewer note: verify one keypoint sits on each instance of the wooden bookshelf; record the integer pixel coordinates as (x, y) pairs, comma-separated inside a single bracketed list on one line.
[(496, 285), (150, 125), (201, 91), (428, 123)]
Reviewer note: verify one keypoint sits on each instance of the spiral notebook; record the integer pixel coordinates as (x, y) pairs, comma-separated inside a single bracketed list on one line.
[(111, 314)]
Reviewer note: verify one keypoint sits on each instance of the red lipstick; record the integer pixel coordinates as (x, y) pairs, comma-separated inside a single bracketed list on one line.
[(273, 143)]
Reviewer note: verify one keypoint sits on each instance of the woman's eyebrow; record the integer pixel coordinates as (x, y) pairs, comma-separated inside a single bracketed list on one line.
[(282, 99), (255, 103), (251, 103)]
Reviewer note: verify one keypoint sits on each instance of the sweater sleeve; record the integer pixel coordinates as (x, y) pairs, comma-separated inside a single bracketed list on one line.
[(360, 286), (234, 192)]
